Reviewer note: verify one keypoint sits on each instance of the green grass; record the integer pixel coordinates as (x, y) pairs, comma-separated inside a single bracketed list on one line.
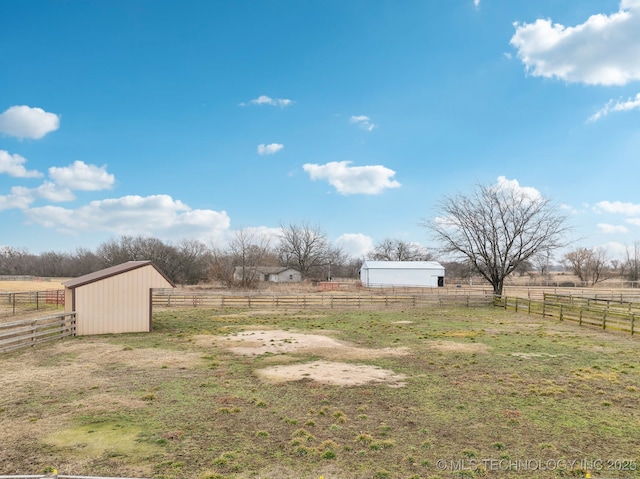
[(536, 391)]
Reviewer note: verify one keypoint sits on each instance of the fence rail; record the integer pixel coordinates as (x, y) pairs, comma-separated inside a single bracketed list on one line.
[(29, 332), (604, 314), (14, 302), (173, 298)]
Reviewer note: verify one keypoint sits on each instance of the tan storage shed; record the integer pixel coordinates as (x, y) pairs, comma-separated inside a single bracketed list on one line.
[(116, 299)]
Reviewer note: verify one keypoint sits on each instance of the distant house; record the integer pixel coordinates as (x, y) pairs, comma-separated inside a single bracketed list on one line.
[(426, 274), (116, 299), (273, 274)]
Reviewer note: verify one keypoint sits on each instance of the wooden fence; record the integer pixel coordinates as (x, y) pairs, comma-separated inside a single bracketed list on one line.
[(29, 332), (453, 297), (12, 303), (599, 313)]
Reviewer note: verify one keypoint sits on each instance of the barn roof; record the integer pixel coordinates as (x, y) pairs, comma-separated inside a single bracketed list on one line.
[(402, 265), (112, 271)]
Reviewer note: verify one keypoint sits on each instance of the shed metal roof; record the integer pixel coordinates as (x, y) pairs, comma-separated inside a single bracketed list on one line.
[(112, 271), (402, 265)]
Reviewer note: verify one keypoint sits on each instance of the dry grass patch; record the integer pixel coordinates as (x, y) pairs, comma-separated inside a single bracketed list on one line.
[(453, 346), (14, 286)]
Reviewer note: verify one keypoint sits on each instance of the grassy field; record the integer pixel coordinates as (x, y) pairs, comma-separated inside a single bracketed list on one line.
[(442, 393)]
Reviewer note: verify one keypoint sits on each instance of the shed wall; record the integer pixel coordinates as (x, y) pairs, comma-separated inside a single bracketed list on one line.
[(118, 304), (402, 277)]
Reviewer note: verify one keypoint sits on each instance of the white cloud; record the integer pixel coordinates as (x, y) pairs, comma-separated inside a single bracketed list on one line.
[(157, 215), (356, 245), (618, 207), (612, 229), (363, 121), (615, 250), (349, 180), (269, 149), (80, 176), (26, 122), (633, 221), (476, 3), (13, 165), (53, 192), (611, 106), (604, 50), (526, 191), (265, 100), (20, 197), (569, 209)]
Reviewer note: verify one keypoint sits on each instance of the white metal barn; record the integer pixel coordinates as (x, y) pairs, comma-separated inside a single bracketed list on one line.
[(425, 274), (116, 299)]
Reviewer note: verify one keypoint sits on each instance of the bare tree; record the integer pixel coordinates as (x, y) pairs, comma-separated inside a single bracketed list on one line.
[(306, 248), (221, 266), (496, 228), (632, 263), (392, 249), (192, 258), (139, 248), (589, 265), (248, 250)]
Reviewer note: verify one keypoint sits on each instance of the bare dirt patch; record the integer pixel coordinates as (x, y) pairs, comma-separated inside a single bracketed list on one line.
[(281, 343), (334, 373), (260, 342), (453, 346)]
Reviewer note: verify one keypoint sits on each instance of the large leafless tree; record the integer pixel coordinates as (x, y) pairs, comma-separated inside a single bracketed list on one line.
[(307, 248), (589, 265), (249, 250), (496, 228), (393, 249)]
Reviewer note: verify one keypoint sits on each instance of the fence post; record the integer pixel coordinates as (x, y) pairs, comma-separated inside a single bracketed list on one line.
[(633, 320), (580, 319), (561, 312), (516, 304), (604, 319)]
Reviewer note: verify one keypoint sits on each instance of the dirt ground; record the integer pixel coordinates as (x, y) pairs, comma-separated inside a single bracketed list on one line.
[(326, 371)]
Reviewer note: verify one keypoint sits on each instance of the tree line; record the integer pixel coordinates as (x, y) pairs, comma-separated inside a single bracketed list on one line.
[(492, 231), (302, 246)]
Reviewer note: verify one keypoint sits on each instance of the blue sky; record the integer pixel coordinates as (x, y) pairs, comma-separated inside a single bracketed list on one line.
[(194, 119)]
